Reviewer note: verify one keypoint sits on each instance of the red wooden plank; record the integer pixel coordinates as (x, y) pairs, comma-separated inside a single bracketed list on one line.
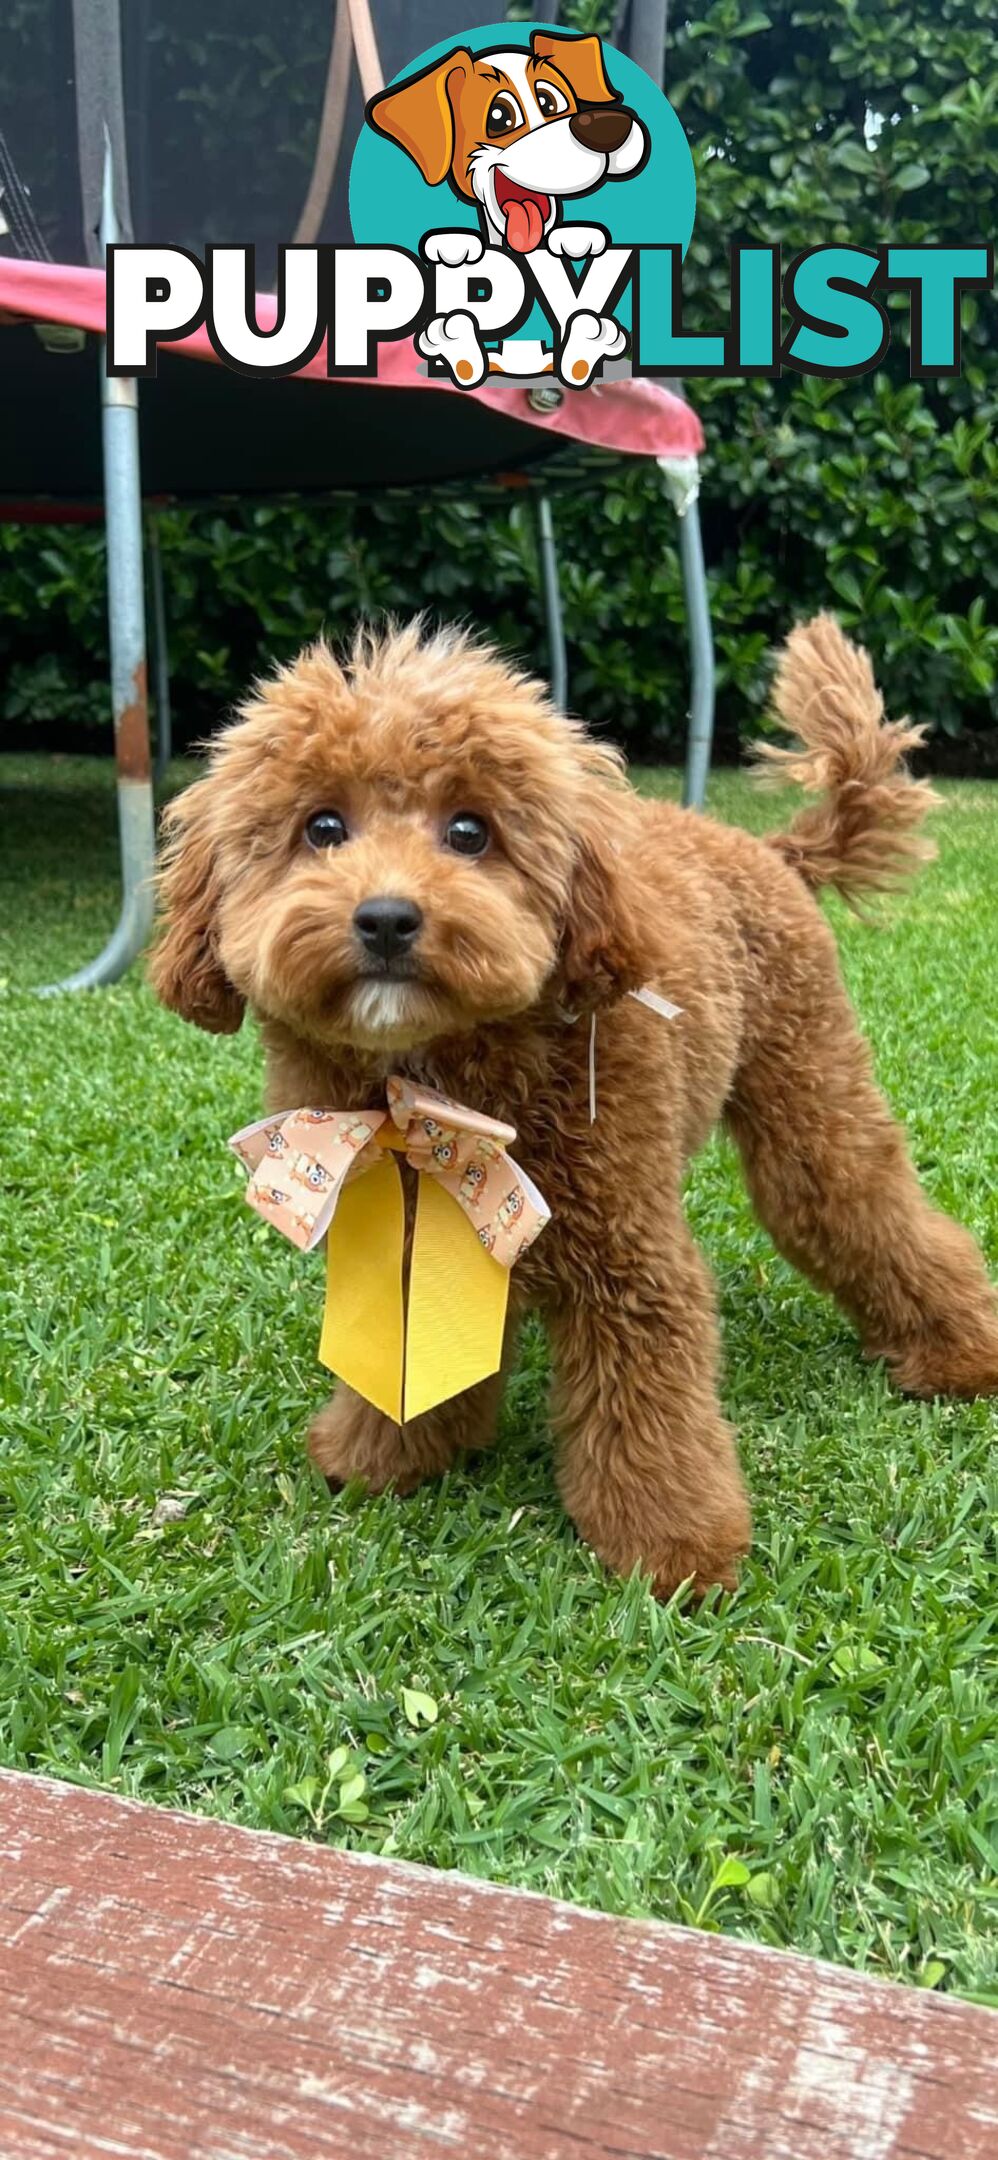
[(179, 1989)]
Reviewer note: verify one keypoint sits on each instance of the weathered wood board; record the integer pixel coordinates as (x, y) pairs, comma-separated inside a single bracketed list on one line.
[(178, 1989)]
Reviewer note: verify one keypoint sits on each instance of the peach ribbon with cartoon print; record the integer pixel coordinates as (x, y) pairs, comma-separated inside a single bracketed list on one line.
[(330, 1173)]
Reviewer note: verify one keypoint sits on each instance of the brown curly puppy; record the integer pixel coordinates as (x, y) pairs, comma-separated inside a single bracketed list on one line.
[(411, 862)]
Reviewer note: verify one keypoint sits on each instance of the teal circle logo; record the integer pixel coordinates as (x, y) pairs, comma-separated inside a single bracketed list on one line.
[(552, 148)]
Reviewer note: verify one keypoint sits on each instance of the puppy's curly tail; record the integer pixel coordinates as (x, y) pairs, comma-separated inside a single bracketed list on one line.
[(864, 835)]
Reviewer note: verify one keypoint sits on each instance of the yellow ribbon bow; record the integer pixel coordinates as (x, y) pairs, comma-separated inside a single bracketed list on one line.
[(330, 1173)]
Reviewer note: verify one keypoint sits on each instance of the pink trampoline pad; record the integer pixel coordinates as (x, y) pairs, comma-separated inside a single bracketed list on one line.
[(636, 417)]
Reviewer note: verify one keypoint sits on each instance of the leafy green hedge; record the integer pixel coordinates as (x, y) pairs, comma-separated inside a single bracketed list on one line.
[(848, 120)]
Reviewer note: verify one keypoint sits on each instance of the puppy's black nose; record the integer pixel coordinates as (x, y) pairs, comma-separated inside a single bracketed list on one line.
[(387, 927), (604, 128)]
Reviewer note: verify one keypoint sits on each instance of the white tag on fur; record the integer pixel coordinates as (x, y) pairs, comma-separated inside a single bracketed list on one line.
[(655, 1004)]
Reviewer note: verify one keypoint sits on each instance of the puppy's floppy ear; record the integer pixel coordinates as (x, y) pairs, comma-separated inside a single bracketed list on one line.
[(580, 60), (184, 968), (417, 115), (604, 948)]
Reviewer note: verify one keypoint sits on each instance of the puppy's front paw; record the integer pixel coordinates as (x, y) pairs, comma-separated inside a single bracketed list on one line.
[(350, 1439), (695, 1537), (701, 1569), (454, 339), (702, 1564), (589, 339), (963, 1363), (577, 241), (453, 248)]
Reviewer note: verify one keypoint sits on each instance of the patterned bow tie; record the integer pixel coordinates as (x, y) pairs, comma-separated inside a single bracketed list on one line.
[(330, 1173)]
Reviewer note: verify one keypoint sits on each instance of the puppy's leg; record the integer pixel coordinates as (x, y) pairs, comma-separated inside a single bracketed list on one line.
[(647, 1465), (830, 1176), (588, 339), (454, 339), (351, 1439), (576, 241)]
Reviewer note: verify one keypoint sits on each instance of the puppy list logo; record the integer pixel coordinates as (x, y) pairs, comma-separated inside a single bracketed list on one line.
[(524, 155), (521, 205)]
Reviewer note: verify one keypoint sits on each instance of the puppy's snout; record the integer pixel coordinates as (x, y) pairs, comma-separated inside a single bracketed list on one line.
[(387, 926), (601, 129)]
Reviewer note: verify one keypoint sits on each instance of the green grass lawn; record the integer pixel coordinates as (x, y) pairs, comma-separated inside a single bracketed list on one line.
[(813, 1762)]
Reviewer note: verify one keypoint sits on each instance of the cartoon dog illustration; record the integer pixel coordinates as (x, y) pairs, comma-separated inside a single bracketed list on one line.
[(271, 1196), (306, 1171), (473, 1183), (357, 1136), (517, 132)]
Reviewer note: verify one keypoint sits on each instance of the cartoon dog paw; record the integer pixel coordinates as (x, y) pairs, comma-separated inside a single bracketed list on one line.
[(577, 241), (454, 339), (453, 248), (589, 339)]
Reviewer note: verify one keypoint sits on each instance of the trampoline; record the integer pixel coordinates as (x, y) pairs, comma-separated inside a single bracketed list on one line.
[(166, 121)]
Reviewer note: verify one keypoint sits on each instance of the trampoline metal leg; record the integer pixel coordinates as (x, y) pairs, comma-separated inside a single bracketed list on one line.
[(160, 648), (701, 644), (547, 550), (126, 617), (127, 626)]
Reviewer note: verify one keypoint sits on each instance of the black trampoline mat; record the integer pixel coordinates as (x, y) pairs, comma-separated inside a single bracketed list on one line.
[(207, 431)]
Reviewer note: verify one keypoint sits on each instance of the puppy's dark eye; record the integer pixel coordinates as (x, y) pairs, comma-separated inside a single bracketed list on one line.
[(503, 114), (467, 834), (550, 100), (326, 828)]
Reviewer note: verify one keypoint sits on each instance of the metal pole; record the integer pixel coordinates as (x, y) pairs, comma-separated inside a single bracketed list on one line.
[(126, 621), (644, 24), (701, 644), (160, 647), (548, 553), (654, 26)]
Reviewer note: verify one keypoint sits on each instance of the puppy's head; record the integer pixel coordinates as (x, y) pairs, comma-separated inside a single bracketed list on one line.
[(406, 846), (515, 130)]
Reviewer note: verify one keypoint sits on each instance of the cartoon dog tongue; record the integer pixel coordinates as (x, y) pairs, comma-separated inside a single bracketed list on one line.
[(524, 223)]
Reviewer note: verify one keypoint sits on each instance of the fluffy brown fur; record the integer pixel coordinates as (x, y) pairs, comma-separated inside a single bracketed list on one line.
[(585, 892)]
